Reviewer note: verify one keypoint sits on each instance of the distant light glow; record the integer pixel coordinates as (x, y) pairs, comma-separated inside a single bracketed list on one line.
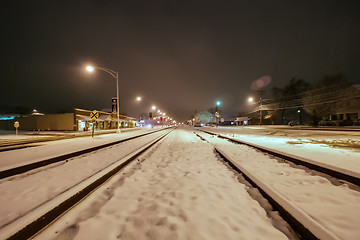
[(149, 126), (138, 99), (7, 118), (153, 107), (218, 103), (159, 111), (89, 68), (251, 99)]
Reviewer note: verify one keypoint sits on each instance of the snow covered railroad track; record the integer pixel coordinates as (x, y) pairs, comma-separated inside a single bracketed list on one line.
[(333, 171), (52, 198), (179, 190), (4, 173), (315, 205), (30, 139)]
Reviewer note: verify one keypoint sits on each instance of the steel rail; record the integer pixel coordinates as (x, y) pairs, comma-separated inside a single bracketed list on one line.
[(33, 228), (336, 172), (6, 145), (31, 166), (310, 230)]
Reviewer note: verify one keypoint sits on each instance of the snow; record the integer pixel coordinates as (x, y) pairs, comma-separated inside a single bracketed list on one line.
[(333, 204), (23, 134), (45, 150), (182, 190), (22, 193), (310, 144)]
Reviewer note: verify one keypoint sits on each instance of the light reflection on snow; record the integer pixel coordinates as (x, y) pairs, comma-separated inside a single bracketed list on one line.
[(347, 144)]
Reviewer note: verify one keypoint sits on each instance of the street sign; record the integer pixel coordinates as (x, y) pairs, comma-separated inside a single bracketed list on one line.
[(16, 125), (94, 114)]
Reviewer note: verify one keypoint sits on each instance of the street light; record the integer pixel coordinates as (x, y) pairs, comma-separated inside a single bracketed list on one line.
[(300, 118), (251, 100), (116, 76), (217, 114)]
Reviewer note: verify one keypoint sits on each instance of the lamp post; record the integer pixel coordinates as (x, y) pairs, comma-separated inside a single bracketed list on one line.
[(251, 100), (116, 76), (217, 114)]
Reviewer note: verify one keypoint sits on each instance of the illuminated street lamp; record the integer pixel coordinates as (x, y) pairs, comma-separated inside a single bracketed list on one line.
[(138, 99), (251, 100), (153, 107), (217, 114), (300, 118), (116, 76)]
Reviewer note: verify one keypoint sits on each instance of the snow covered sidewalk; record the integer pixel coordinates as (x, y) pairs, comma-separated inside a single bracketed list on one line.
[(180, 190)]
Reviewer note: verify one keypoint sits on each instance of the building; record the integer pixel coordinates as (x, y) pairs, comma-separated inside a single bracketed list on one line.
[(347, 111), (240, 121), (78, 120)]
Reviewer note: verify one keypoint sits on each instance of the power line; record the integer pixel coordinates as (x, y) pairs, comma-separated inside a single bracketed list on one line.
[(312, 98)]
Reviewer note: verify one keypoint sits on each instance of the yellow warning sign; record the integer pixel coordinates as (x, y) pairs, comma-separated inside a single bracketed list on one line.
[(94, 114)]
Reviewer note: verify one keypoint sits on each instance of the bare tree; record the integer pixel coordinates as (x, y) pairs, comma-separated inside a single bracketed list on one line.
[(289, 97), (322, 99)]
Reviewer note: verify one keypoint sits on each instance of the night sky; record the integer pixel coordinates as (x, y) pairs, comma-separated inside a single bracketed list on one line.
[(181, 56)]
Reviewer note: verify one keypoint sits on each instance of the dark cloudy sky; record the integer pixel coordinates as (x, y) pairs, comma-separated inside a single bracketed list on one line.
[(180, 55)]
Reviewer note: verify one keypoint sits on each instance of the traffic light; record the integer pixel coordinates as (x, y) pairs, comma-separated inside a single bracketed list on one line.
[(150, 115)]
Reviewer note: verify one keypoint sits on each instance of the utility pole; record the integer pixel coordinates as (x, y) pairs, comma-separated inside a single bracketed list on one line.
[(261, 105)]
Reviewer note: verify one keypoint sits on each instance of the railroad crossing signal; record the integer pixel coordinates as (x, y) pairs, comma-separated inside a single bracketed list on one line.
[(94, 114)]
